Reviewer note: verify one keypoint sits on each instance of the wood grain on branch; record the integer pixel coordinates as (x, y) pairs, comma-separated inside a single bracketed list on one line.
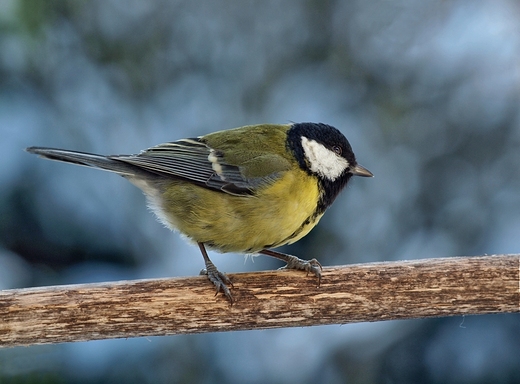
[(361, 292)]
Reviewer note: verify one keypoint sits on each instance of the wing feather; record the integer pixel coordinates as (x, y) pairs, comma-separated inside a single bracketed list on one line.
[(194, 161)]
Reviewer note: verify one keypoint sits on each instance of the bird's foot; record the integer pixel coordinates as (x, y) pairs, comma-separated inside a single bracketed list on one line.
[(310, 266), (219, 280), (293, 262)]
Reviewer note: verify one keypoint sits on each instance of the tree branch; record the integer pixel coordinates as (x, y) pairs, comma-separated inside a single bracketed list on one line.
[(361, 292)]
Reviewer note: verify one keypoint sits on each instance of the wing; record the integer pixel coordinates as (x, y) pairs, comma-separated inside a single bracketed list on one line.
[(194, 161)]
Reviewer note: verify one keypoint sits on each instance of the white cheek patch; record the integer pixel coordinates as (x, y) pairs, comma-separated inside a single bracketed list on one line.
[(323, 161)]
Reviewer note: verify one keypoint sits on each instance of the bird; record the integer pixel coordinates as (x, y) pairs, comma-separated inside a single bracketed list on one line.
[(244, 190)]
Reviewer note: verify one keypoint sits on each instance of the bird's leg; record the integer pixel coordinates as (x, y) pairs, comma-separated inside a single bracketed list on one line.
[(218, 279), (294, 262)]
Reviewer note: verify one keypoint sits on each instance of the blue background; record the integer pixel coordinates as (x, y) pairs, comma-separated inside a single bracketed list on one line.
[(427, 93)]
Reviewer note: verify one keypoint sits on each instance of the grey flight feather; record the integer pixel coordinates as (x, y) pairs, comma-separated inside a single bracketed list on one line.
[(187, 159), (83, 158)]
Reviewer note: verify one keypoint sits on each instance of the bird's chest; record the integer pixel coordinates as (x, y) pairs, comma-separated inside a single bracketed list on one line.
[(290, 208), (280, 213)]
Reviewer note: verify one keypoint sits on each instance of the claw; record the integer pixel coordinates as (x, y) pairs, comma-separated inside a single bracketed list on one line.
[(219, 279), (293, 262), (310, 266)]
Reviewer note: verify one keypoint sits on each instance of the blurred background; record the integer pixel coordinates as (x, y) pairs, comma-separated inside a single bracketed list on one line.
[(426, 92)]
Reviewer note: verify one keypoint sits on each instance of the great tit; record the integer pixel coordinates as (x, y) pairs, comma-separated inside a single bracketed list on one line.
[(242, 190)]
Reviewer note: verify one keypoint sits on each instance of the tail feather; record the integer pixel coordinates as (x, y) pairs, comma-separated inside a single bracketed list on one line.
[(85, 159)]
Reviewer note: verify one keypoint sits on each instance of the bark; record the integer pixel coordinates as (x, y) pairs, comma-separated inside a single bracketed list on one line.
[(354, 293)]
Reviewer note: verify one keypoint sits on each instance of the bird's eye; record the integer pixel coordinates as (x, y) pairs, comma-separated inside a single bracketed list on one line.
[(337, 149)]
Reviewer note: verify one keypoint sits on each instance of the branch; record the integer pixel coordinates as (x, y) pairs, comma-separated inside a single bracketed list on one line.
[(361, 292)]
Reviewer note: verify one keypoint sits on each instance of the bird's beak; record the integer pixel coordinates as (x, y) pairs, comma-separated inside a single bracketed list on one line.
[(359, 170)]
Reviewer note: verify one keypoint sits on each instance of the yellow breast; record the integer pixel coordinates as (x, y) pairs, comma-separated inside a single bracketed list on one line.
[(278, 214)]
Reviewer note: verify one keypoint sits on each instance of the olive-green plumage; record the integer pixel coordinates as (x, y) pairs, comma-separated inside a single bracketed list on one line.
[(260, 150), (240, 190), (273, 216)]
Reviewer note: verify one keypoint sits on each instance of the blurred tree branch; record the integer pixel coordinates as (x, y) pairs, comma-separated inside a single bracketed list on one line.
[(361, 292)]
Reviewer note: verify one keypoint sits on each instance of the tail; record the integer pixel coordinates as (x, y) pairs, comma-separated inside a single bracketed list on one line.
[(86, 159)]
